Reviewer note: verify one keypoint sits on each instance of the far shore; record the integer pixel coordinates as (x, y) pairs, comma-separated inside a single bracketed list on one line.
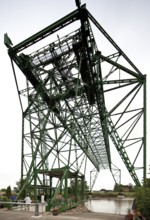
[(98, 195)]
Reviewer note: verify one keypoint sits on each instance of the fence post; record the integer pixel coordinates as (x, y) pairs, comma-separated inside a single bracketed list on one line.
[(36, 209)]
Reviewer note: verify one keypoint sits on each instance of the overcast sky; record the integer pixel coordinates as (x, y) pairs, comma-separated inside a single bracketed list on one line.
[(126, 21)]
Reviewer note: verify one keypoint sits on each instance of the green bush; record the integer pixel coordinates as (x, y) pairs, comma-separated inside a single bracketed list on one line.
[(143, 200), (6, 199)]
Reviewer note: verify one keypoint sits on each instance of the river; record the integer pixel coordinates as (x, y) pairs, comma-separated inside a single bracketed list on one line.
[(110, 205)]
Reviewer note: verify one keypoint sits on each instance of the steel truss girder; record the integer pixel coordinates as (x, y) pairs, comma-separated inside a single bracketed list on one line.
[(93, 90)]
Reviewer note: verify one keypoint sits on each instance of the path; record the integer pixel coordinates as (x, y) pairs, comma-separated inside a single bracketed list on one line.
[(26, 215)]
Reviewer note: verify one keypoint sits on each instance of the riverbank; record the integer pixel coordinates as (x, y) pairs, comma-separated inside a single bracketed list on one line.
[(112, 194)]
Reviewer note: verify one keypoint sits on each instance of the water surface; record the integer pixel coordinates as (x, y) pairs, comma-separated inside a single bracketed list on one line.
[(110, 205)]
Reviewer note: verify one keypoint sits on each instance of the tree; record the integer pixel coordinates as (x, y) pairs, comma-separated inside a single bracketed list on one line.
[(8, 192), (3, 190), (19, 184), (131, 187), (118, 187), (142, 195), (82, 186), (147, 182)]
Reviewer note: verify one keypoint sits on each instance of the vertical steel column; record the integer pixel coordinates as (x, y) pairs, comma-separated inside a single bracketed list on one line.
[(76, 189), (145, 132), (22, 149), (51, 184), (66, 188), (82, 187)]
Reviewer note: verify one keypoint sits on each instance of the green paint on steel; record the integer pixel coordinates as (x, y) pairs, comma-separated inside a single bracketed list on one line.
[(72, 114)]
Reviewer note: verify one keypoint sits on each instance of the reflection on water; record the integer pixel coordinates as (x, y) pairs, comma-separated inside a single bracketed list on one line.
[(110, 205)]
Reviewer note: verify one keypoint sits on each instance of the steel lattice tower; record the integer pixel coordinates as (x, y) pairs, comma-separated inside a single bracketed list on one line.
[(77, 101)]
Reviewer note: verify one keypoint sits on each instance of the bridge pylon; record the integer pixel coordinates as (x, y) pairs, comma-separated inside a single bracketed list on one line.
[(80, 100)]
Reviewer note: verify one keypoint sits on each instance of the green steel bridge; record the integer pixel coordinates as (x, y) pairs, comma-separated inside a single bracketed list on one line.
[(78, 99)]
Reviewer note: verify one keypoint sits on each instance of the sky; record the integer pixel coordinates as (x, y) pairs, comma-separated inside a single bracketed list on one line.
[(126, 21)]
